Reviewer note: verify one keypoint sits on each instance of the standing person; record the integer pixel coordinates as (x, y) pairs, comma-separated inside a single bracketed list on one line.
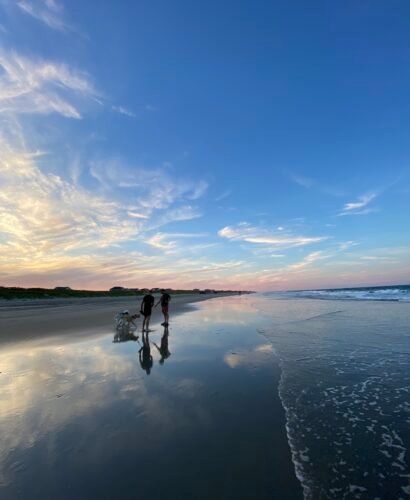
[(165, 299), (146, 310)]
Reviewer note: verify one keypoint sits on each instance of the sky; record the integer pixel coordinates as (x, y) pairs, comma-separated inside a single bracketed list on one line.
[(255, 145)]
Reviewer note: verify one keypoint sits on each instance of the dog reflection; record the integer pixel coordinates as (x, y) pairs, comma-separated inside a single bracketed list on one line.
[(124, 335)]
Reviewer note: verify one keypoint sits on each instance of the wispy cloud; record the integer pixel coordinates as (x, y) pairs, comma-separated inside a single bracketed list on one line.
[(160, 241), (49, 12), (136, 215), (378, 258), (178, 214), (123, 111), (59, 231), (223, 195), (309, 183), (169, 241), (251, 234), (198, 190), (28, 86), (314, 184), (308, 260), (150, 107), (359, 207), (42, 214), (345, 245), (303, 181), (153, 189), (57, 228)]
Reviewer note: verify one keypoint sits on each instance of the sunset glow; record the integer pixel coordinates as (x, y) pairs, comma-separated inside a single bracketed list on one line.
[(152, 157)]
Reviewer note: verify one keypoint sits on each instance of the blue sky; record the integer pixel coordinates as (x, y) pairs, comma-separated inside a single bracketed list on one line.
[(254, 145)]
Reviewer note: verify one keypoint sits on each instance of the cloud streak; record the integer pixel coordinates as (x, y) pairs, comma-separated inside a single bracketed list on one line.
[(43, 87), (52, 229), (152, 189), (308, 260), (123, 111), (42, 214), (359, 207), (160, 241), (309, 183), (256, 235), (49, 12)]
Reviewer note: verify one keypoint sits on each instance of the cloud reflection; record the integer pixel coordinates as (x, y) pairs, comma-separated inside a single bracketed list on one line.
[(256, 357), (47, 390)]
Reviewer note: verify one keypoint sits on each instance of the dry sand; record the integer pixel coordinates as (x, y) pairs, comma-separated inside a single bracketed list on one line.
[(22, 320)]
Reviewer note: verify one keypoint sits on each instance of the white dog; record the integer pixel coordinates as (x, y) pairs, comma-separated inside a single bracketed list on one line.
[(124, 319), (125, 326)]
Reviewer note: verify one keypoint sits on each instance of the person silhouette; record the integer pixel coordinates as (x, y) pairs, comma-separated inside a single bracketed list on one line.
[(164, 301), (163, 348), (145, 354), (146, 309)]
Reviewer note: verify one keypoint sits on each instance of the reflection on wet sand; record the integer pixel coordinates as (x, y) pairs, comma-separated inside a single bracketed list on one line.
[(46, 390), (252, 358), (144, 354), (163, 349), (228, 312), (43, 389), (78, 420), (125, 336)]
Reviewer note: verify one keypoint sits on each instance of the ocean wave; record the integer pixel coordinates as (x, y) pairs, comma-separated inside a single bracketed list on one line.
[(344, 388), (390, 294)]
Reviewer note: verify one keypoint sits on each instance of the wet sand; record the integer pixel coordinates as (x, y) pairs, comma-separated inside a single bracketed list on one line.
[(83, 419), (23, 320)]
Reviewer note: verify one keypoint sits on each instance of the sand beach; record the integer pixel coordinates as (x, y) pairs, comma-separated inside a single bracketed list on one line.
[(80, 418), (68, 319)]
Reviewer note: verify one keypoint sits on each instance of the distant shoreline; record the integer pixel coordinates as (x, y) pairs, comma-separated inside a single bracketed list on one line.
[(20, 293)]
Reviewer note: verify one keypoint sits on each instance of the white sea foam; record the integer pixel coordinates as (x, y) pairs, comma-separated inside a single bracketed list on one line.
[(395, 294), (344, 387)]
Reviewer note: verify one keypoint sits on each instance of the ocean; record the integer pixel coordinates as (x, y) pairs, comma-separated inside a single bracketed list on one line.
[(345, 386), (394, 293)]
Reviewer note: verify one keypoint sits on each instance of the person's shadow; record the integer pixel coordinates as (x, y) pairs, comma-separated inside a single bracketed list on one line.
[(163, 349), (144, 354)]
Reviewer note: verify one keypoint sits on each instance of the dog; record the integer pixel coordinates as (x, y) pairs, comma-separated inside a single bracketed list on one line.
[(125, 319)]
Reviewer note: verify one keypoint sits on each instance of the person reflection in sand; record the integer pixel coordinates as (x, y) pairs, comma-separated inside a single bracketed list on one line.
[(163, 349), (145, 354)]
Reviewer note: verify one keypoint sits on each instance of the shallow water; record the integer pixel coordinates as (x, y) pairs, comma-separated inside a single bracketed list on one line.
[(85, 420), (345, 386)]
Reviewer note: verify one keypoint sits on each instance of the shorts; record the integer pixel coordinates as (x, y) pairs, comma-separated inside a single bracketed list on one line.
[(165, 309), (146, 312)]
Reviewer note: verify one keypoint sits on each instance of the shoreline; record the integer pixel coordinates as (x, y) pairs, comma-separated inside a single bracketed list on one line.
[(36, 319)]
